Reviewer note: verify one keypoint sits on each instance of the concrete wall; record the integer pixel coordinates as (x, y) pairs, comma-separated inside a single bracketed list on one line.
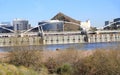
[(63, 39), (20, 41), (103, 38), (91, 38), (58, 39)]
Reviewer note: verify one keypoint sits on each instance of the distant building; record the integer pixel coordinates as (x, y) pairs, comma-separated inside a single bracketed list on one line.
[(20, 25), (112, 25), (6, 27), (106, 23), (52, 25), (85, 25), (117, 19)]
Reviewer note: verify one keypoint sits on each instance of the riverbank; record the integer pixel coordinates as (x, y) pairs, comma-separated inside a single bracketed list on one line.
[(70, 62), (52, 54), (4, 54)]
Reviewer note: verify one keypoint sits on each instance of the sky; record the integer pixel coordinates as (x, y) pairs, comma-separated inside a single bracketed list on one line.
[(97, 11)]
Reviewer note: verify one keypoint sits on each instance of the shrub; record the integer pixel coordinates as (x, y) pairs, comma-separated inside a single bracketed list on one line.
[(51, 65), (67, 56), (102, 62), (65, 69), (27, 58)]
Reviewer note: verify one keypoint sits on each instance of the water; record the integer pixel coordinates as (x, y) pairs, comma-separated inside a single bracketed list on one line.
[(84, 46)]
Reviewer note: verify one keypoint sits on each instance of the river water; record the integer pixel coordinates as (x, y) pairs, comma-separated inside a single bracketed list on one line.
[(81, 46)]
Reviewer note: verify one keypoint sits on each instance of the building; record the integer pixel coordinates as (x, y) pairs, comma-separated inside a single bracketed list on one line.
[(106, 23), (112, 25), (56, 25), (86, 25), (117, 19), (68, 26), (52, 25), (20, 25)]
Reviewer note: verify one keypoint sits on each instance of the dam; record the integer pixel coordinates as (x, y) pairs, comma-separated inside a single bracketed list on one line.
[(58, 38)]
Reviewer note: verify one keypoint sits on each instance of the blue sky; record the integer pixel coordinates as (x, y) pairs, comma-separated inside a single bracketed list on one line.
[(36, 10)]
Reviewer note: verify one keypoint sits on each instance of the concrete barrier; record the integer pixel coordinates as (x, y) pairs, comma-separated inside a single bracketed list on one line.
[(58, 39)]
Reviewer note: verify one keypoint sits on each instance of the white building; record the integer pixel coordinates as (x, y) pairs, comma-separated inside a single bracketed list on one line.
[(20, 25), (85, 25)]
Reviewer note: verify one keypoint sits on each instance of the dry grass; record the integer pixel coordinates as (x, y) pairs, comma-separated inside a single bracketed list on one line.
[(4, 56), (7, 69)]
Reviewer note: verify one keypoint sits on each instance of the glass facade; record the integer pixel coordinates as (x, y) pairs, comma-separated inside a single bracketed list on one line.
[(51, 26), (117, 19)]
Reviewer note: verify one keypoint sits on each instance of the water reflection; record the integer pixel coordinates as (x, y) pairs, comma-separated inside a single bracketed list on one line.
[(84, 46)]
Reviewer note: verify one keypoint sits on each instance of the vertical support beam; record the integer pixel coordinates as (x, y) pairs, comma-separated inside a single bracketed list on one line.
[(42, 31), (63, 25)]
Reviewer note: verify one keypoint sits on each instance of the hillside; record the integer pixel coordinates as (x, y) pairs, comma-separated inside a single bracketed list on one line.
[(68, 27)]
